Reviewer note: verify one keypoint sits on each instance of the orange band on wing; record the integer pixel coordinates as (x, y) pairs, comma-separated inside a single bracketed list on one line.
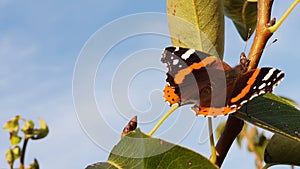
[(170, 95), (179, 77), (247, 88), (215, 111)]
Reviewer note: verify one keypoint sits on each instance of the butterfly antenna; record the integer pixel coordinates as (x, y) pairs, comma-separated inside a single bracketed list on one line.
[(248, 37), (267, 46)]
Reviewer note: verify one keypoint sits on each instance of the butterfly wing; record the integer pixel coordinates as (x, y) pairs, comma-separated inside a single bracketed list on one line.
[(189, 73), (248, 86), (215, 88), (254, 83)]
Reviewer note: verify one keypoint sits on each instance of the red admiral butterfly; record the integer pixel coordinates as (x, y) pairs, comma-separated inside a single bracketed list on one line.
[(210, 84)]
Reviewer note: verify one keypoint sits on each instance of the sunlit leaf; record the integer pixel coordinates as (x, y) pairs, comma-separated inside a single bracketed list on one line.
[(34, 165), (137, 150), (15, 139), (290, 101), (16, 152), (28, 129), (12, 154), (220, 129), (12, 125), (252, 133), (240, 137), (42, 131), (197, 24)]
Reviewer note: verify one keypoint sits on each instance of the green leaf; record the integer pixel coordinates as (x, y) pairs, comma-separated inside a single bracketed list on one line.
[(42, 131), (101, 165), (28, 129), (15, 139), (272, 113), (252, 133), (34, 165), (290, 101), (197, 24), (282, 150), (260, 145), (243, 14), (12, 125), (220, 129), (12, 155), (9, 156), (16, 152), (240, 137), (138, 150)]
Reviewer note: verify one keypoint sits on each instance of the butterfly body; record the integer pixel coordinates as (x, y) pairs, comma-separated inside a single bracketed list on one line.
[(214, 88)]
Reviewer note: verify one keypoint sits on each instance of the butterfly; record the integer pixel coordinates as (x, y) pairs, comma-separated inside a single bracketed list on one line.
[(215, 88)]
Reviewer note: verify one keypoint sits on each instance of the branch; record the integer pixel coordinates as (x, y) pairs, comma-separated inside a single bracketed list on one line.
[(23, 153), (234, 125), (232, 129), (252, 148), (262, 34)]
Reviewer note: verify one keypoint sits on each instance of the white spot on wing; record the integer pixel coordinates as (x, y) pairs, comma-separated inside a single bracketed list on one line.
[(175, 61), (262, 86), (243, 102), (261, 92), (269, 74), (187, 54), (176, 48), (254, 95), (280, 73)]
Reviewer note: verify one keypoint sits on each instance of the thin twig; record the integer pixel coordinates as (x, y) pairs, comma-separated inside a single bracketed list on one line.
[(23, 153), (213, 157), (284, 16), (262, 34), (163, 119), (252, 148)]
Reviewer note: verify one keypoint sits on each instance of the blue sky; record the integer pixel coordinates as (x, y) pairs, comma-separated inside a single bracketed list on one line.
[(40, 43)]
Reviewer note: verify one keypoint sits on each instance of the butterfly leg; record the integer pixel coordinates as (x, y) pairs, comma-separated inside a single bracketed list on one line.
[(244, 61)]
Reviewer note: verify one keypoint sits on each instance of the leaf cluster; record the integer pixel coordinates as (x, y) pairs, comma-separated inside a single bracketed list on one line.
[(29, 132)]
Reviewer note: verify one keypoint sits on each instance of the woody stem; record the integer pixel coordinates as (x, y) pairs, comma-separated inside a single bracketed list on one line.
[(262, 34), (234, 125)]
